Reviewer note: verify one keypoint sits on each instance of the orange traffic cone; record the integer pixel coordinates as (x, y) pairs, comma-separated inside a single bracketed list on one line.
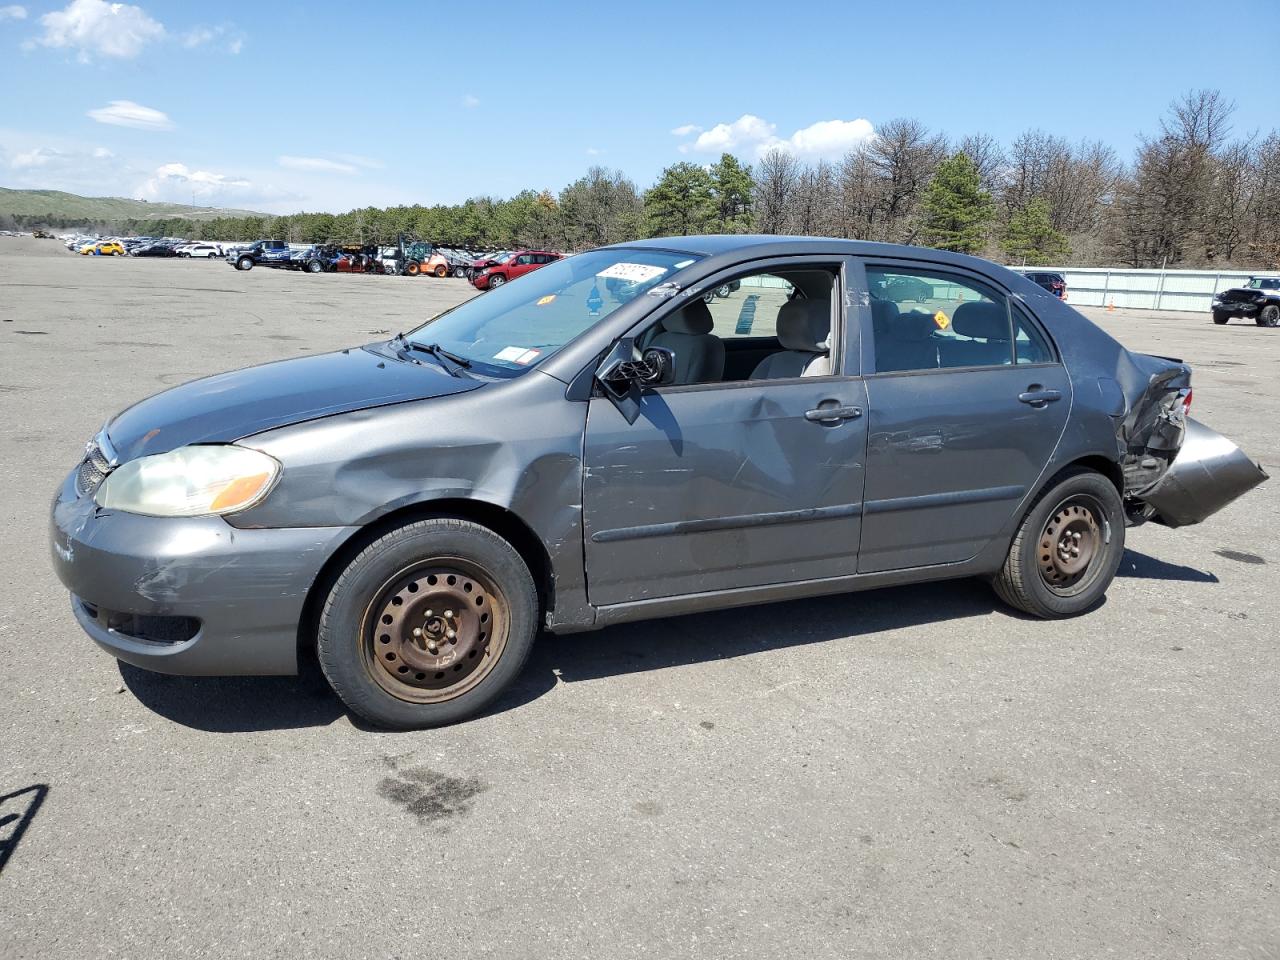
[(1111, 307)]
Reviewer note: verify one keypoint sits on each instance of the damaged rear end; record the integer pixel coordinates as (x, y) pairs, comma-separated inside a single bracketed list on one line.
[(1176, 470)]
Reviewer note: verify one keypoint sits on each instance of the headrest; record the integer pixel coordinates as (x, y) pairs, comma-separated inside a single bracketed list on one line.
[(694, 318), (804, 325), (883, 314), (982, 321), (913, 327)]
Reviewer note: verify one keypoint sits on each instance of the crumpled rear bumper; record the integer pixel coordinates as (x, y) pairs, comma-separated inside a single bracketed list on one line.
[(1208, 473)]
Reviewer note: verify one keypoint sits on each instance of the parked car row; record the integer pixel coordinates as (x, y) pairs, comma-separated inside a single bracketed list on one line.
[(414, 258)]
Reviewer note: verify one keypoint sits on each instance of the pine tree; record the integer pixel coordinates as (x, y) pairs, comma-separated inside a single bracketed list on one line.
[(733, 192), (1030, 238), (682, 202), (957, 211)]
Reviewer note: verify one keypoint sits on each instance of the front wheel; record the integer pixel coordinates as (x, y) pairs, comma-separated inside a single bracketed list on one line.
[(1220, 318), (412, 269), (244, 263), (1270, 316), (441, 270), (496, 280), (1067, 549), (428, 625)]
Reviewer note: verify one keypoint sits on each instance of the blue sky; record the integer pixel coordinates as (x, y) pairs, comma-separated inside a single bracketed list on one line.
[(281, 105)]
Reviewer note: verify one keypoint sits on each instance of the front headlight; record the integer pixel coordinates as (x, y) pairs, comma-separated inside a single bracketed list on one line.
[(190, 482)]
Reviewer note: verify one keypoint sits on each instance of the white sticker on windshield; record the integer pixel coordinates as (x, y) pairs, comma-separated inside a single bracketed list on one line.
[(511, 354), (632, 272), (527, 357)]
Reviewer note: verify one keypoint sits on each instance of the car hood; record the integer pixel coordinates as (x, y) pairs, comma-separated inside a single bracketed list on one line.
[(231, 406)]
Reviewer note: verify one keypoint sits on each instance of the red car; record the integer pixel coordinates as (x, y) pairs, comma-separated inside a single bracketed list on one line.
[(515, 265)]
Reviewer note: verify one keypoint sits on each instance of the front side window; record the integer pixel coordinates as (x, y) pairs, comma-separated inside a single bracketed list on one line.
[(924, 320), (517, 325)]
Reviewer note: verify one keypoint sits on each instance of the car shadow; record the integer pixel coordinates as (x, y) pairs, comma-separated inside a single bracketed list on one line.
[(240, 704), (1143, 567), (237, 704)]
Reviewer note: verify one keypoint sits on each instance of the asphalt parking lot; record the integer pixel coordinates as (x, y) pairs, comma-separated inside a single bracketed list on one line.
[(913, 773)]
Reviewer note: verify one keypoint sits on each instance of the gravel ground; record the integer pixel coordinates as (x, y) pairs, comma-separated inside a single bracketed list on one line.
[(908, 773)]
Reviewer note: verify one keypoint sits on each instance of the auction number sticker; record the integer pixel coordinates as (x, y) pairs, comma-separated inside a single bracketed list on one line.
[(520, 355), (632, 272)]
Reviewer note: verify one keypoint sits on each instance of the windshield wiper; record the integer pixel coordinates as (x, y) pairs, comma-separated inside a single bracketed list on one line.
[(451, 362)]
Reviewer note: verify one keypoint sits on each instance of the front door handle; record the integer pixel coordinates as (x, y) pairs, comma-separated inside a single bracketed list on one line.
[(1037, 396), (832, 414)]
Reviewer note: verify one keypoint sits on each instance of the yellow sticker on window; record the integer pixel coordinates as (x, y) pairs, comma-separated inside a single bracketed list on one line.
[(942, 320), (547, 299)]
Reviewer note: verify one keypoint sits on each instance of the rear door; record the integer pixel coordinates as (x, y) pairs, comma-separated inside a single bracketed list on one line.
[(966, 405)]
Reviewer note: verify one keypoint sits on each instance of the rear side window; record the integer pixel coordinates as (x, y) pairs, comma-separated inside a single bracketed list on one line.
[(1029, 345), (925, 320)]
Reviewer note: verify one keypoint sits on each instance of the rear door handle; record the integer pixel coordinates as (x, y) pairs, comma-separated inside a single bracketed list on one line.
[(832, 414), (1037, 396)]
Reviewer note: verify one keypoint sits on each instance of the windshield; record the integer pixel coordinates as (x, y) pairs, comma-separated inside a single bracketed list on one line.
[(515, 327), (1265, 283)]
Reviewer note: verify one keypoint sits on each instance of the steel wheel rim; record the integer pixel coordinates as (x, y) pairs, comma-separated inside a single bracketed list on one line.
[(435, 630), (1073, 538)]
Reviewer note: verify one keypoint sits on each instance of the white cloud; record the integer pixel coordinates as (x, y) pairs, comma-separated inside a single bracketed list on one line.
[(685, 130), (316, 164), (126, 113), (178, 182), (594, 151), (200, 35), (35, 157), (13, 12), (826, 139), (102, 153), (355, 159), (471, 101), (746, 130), (95, 26)]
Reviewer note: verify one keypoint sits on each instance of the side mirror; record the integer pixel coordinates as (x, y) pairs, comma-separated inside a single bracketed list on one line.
[(624, 371)]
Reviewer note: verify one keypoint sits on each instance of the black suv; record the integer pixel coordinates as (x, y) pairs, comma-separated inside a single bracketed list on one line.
[(1055, 283), (1259, 299)]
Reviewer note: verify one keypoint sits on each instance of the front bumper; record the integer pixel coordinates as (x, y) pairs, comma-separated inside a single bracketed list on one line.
[(1237, 309), (241, 591)]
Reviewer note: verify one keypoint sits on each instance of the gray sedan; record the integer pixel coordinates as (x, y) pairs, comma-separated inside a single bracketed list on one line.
[(644, 430)]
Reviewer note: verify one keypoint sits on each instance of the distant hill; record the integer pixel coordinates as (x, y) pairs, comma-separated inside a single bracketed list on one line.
[(66, 207)]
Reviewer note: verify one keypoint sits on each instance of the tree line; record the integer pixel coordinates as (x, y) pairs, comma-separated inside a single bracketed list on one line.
[(1193, 195)]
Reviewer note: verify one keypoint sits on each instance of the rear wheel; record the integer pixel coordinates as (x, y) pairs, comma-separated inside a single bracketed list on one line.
[(1270, 316), (314, 266), (460, 273), (1067, 549), (412, 269), (428, 624)]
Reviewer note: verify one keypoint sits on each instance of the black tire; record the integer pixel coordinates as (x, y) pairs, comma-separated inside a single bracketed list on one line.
[(351, 644), (315, 266), (412, 269), (1269, 316), (441, 270), (460, 273), (496, 280), (1026, 581), (1220, 318), (244, 263)]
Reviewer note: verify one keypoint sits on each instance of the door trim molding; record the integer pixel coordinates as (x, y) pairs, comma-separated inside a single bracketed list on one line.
[(949, 499), (726, 523)]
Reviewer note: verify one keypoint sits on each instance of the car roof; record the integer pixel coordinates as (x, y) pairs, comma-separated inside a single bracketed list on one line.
[(768, 245)]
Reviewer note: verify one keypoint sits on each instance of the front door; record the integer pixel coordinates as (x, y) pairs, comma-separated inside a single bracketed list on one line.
[(728, 483), (965, 410)]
